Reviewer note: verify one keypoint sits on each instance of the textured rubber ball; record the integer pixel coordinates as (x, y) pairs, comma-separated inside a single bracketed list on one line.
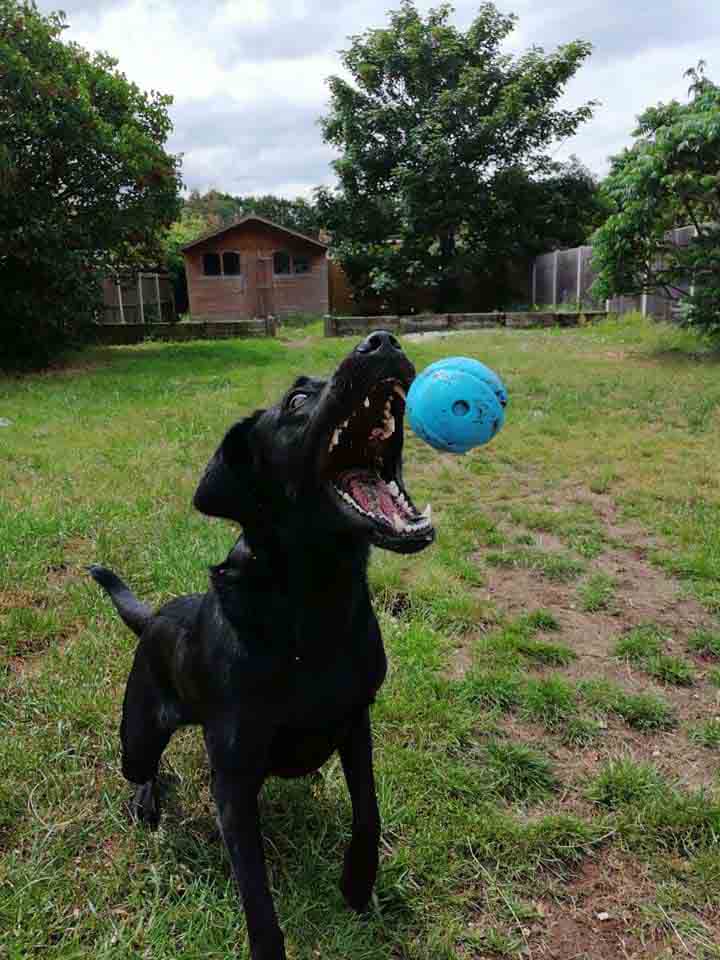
[(457, 404)]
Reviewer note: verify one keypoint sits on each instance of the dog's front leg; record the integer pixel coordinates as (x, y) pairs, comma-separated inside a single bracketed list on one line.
[(236, 796), (361, 857)]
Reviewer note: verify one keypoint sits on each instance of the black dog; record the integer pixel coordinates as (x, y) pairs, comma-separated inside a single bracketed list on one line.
[(281, 658)]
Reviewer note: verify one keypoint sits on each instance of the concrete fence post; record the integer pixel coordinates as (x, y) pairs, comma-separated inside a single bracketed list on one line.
[(120, 302), (141, 304), (534, 282), (578, 298)]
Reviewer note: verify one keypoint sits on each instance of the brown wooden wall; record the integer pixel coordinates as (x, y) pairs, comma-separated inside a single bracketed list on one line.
[(256, 292)]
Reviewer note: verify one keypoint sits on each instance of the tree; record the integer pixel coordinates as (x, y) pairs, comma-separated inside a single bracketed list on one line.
[(85, 182), (189, 227), (297, 214), (214, 206), (222, 208), (670, 177), (434, 125), (537, 214)]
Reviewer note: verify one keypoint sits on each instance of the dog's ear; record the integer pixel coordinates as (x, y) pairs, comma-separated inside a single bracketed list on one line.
[(228, 487)]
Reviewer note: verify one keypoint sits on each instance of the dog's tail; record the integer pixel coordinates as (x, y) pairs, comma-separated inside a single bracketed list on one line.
[(134, 613)]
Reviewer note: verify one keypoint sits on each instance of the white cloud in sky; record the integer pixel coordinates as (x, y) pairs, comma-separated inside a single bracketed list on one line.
[(249, 76)]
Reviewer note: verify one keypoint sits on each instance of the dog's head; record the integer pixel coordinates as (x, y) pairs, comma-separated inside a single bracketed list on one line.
[(326, 459)]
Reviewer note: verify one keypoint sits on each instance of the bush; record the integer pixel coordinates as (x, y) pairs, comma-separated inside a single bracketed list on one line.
[(85, 183), (669, 178)]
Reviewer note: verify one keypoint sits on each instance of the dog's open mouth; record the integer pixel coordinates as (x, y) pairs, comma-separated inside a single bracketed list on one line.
[(362, 464)]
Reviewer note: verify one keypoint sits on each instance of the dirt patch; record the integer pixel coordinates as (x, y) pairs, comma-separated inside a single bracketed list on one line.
[(646, 594), (596, 916), (60, 573), (29, 665), (461, 660), (573, 767), (435, 335), (20, 600), (626, 533), (642, 594)]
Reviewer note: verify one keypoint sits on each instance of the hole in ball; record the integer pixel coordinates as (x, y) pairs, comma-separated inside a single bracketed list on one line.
[(460, 408)]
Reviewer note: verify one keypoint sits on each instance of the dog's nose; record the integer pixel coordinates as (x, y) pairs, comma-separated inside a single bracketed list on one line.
[(379, 342)]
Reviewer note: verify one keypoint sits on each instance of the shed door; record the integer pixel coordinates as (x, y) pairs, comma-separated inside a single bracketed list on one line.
[(264, 286)]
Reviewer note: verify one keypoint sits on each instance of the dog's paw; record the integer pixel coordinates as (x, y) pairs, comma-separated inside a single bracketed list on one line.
[(270, 947), (357, 893), (359, 873), (145, 805)]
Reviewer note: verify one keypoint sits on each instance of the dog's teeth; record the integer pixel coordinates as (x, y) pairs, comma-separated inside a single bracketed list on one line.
[(393, 488), (389, 427), (366, 402), (398, 523), (427, 513), (345, 423)]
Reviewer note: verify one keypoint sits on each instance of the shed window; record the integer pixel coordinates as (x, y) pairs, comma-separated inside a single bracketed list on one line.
[(231, 263), (211, 264), (301, 263), (281, 262)]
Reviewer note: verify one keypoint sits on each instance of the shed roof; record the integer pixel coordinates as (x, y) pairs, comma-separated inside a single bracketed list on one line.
[(254, 217)]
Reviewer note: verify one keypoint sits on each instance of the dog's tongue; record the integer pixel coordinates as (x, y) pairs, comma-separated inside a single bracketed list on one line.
[(371, 493)]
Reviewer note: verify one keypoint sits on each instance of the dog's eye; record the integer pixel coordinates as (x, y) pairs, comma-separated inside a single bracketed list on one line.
[(296, 401)]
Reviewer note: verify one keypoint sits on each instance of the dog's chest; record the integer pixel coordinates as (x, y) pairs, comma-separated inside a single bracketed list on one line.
[(302, 681), (323, 690), (305, 658)]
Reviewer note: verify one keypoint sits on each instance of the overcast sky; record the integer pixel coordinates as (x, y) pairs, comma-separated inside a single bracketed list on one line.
[(248, 77)]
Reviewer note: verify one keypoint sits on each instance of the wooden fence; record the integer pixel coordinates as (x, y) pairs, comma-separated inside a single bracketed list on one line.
[(139, 298)]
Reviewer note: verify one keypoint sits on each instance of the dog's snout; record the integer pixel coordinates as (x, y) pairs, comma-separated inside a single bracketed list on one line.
[(379, 342)]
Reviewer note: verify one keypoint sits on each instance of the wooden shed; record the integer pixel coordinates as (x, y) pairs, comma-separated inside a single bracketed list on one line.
[(255, 268)]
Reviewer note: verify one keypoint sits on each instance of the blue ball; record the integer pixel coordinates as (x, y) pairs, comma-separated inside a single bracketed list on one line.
[(457, 404)]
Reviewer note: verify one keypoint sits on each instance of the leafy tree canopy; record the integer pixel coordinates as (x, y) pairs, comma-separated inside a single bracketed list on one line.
[(670, 177), (434, 129), (222, 208), (85, 181), (534, 214), (184, 230)]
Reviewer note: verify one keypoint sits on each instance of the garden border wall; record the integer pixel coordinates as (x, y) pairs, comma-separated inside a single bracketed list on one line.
[(431, 323)]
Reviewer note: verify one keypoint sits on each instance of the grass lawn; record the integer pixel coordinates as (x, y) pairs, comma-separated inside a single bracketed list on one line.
[(547, 743)]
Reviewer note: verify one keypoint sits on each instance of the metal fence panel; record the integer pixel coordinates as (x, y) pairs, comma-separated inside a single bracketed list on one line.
[(543, 292)]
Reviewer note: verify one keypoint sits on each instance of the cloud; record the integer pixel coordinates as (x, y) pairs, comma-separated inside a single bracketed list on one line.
[(620, 29), (248, 76), (251, 148)]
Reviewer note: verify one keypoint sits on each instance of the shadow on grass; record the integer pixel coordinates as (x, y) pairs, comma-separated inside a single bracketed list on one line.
[(135, 358), (678, 356), (305, 840)]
